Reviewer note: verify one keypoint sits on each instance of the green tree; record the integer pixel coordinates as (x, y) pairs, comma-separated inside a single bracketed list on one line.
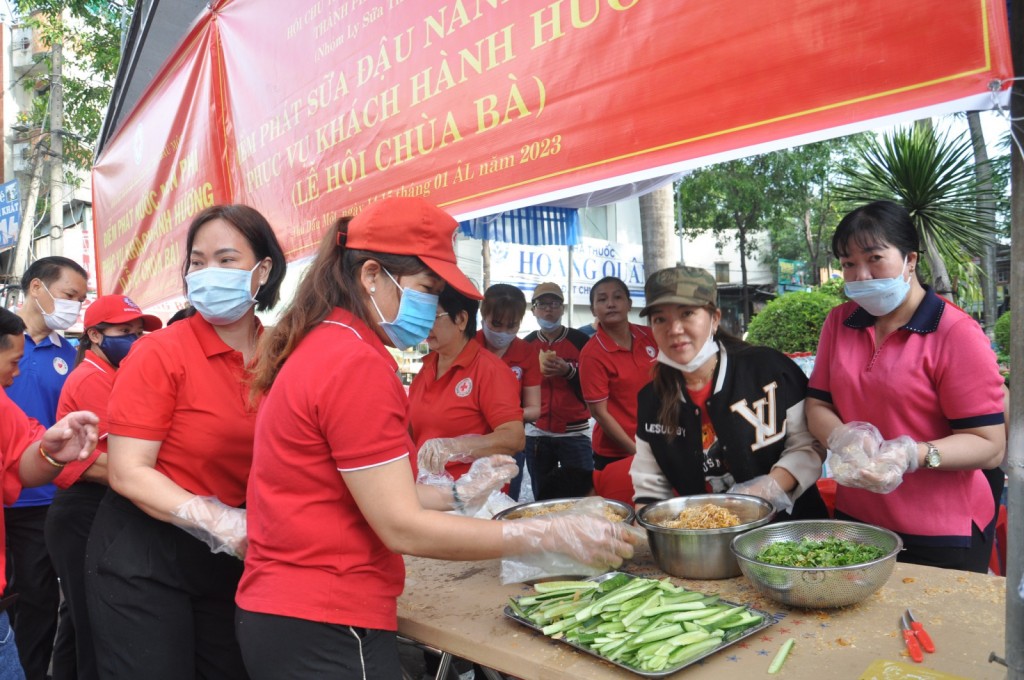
[(933, 176)]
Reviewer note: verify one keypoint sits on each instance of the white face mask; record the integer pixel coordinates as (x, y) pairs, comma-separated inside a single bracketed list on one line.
[(497, 339), (64, 315), (878, 297), (708, 350)]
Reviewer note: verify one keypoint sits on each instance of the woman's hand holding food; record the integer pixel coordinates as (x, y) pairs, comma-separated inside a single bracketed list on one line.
[(486, 475), (435, 453), (220, 526), (765, 487), (594, 541), (862, 459)]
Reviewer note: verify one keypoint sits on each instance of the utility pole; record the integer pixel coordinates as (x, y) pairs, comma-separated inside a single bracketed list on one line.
[(28, 220), (56, 138)]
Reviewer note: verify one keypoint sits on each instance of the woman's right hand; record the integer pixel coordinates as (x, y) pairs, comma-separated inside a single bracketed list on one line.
[(594, 541), (862, 459)]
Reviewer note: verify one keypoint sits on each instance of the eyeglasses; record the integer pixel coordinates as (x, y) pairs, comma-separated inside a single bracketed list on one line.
[(547, 305), (441, 314)]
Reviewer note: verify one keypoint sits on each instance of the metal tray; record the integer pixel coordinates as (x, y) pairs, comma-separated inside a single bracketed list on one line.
[(767, 620)]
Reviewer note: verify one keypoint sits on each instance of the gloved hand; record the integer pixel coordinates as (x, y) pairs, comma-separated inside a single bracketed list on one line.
[(594, 541), (862, 459), (765, 487), (486, 474), (218, 525), (435, 453)]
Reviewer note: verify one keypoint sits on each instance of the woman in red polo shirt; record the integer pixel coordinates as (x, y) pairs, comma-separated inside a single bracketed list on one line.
[(614, 366), (464, 401), (181, 422), (502, 310), (112, 325), (332, 501)]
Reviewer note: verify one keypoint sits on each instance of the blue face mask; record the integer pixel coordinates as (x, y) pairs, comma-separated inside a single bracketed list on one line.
[(546, 325), (416, 313), (497, 339), (221, 294), (115, 347), (878, 297)]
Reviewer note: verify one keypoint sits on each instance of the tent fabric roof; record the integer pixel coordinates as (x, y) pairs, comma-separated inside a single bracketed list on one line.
[(534, 226)]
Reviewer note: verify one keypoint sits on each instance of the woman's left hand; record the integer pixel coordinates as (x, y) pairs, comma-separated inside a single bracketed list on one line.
[(486, 475), (765, 487), (71, 438)]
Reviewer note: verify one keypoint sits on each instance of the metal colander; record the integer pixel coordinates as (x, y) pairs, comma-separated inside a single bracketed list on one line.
[(822, 587)]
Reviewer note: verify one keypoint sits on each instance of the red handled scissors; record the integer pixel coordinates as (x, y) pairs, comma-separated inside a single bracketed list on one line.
[(920, 633), (911, 639)]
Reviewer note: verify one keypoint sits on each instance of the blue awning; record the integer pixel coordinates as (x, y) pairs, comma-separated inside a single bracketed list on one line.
[(533, 226)]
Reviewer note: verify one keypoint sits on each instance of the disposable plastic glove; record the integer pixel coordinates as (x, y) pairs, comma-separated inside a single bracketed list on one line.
[(487, 474), (218, 525), (594, 541), (768, 488), (862, 459), (896, 457), (435, 453)]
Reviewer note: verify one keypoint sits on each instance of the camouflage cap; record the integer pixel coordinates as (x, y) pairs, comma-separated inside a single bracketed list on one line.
[(680, 286)]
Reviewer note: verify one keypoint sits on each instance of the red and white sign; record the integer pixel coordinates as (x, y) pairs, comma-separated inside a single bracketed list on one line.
[(311, 109)]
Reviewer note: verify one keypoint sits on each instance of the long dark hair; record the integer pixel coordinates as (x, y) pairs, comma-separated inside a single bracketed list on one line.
[(332, 280), (86, 343), (669, 382)]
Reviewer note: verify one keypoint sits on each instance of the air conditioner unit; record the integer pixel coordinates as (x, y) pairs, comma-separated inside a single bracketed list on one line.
[(21, 157)]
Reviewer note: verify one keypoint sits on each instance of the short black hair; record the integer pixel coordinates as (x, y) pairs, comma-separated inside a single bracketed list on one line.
[(183, 313), (566, 482), (881, 222), (503, 303), (453, 302), (261, 237), (11, 325), (48, 270), (619, 283)]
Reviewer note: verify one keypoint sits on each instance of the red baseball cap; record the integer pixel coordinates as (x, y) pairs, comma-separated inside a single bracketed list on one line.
[(115, 309), (412, 226)]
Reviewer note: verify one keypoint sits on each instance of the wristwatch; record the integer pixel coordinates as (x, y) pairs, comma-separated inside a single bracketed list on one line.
[(932, 457)]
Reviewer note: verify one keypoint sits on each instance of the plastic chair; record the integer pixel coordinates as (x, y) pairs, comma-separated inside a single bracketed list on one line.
[(997, 562)]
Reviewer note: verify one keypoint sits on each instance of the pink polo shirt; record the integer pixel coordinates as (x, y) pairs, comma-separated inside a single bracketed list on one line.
[(934, 375)]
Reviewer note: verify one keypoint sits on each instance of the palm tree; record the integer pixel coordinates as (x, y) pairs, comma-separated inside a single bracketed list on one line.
[(933, 177)]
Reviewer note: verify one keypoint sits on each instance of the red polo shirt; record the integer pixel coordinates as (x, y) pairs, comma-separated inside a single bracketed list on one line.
[(475, 395), (17, 431), (86, 389), (336, 405), (184, 387), (521, 357), (616, 375), (614, 482)]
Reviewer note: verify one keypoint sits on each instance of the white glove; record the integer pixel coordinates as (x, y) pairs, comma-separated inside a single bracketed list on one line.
[(435, 453), (218, 525), (594, 541), (487, 474), (765, 487), (862, 459)]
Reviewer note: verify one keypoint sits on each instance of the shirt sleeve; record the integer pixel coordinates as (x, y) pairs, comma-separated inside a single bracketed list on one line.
[(531, 367), (145, 392), (967, 378), (86, 391), (500, 397), (593, 375), (800, 457), (649, 483)]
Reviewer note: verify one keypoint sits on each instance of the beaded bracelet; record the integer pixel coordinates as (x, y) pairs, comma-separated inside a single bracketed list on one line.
[(45, 456)]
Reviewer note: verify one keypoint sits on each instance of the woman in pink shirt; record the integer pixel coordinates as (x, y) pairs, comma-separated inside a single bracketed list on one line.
[(907, 395)]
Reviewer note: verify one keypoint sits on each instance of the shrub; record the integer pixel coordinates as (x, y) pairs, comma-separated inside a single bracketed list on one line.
[(792, 322), (1002, 333)]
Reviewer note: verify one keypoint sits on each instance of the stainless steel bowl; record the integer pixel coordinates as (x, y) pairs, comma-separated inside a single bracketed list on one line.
[(823, 587), (541, 508), (700, 553)]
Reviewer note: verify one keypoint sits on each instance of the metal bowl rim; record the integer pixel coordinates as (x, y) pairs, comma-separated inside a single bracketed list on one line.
[(805, 522), (628, 510), (745, 527)]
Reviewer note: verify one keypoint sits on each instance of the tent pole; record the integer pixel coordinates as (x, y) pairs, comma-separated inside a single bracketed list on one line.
[(568, 291)]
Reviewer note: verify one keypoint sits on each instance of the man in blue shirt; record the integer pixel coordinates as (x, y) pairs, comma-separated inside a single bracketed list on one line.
[(54, 288)]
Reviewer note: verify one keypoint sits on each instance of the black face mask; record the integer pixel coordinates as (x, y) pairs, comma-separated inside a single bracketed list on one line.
[(116, 347)]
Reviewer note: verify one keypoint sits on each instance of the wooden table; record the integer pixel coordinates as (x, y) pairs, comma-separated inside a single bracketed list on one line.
[(458, 607)]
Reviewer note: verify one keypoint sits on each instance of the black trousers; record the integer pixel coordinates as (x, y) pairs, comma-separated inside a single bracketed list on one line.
[(286, 648), (67, 532), (161, 604), (30, 574)]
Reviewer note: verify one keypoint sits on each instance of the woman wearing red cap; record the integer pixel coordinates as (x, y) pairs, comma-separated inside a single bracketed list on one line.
[(332, 501), (112, 325), (159, 584)]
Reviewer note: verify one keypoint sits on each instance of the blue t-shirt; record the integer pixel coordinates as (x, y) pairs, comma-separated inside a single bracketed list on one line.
[(36, 390)]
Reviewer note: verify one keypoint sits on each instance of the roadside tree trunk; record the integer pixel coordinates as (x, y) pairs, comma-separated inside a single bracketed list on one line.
[(988, 262), (657, 229)]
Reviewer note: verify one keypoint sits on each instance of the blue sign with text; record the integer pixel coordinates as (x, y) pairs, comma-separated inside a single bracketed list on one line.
[(10, 213)]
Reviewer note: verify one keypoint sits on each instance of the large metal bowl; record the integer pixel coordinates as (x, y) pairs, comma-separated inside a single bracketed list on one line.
[(541, 508), (823, 587), (700, 553)]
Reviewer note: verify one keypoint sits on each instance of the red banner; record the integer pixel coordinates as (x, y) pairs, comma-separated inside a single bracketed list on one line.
[(314, 108)]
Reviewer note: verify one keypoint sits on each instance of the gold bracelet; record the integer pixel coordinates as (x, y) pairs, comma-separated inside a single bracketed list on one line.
[(45, 456)]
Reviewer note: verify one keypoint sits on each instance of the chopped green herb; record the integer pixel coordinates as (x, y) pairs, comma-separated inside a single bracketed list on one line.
[(831, 552)]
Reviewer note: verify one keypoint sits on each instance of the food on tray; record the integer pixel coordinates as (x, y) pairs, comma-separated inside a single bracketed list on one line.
[(831, 552), (611, 512), (647, 625), (706, 516)]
